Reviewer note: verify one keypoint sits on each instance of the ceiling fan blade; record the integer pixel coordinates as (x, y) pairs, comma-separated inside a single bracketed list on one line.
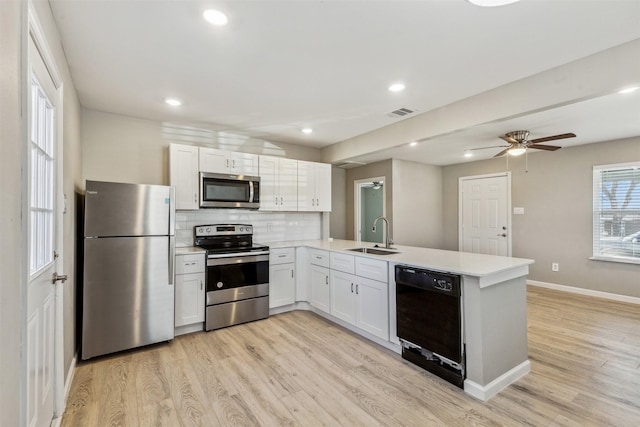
[(544, 147), (503, 152), (508, 139), (552, 138), (493, 146)]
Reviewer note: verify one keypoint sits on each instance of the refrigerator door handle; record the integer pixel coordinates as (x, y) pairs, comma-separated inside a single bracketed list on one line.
[(172, 258)]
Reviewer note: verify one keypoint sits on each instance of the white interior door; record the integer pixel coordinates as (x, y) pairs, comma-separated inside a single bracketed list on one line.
[(43, 230), (485, 220)]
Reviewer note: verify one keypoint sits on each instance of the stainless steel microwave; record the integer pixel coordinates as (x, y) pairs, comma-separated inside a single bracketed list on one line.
[(229, 191)]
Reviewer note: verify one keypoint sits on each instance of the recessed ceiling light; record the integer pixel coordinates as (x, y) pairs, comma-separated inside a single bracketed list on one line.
[(629, 89), (413, 144), (307, 130), (215, 17), (492, 3), (174, 102), (468, 154), (396, 87)]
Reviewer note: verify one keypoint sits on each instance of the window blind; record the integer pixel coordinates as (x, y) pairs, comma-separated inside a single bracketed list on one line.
[(616, 212)]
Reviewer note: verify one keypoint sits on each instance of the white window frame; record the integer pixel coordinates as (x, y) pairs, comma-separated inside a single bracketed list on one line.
[(41, 226), (625, 247)]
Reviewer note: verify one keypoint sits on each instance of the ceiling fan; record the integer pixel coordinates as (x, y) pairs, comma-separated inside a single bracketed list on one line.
[(519, 142)]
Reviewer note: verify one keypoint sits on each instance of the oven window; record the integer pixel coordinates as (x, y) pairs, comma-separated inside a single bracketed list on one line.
[(237, 275), (226, 191)]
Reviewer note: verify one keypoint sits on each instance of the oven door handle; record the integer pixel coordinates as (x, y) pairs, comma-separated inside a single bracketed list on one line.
[(237, 255), (228, 259)]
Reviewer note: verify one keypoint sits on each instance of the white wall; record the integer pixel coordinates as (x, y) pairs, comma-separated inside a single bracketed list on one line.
[(128, 149)]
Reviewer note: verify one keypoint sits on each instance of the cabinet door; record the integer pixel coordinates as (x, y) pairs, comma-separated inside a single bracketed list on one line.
[(268, 183), (243, 164), (213, 160), (189, 302), (282, 285), (343, 296), (320, 289), (323, 187), (372, 307), (183, 175), (288, 184), (306, 186)]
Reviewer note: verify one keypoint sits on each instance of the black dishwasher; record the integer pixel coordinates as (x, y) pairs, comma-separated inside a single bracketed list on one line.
[(429, 321)]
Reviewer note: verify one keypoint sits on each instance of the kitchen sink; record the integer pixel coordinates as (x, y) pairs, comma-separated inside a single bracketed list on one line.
[(375, 251)]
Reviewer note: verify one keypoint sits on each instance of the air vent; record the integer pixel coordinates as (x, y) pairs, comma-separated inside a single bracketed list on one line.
[(347, 164), (401, 112)]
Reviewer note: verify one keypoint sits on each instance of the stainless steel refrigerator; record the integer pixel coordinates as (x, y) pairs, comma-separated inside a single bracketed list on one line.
[(127, 290)]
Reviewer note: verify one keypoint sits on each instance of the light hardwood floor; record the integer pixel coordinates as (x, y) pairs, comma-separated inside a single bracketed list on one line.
[(299, 369)]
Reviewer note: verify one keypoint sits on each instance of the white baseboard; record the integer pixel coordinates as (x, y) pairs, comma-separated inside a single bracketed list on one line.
[(588, 292), (486, 392)]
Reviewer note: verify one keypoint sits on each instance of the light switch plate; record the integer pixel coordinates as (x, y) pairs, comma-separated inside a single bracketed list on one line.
[(518, 211)]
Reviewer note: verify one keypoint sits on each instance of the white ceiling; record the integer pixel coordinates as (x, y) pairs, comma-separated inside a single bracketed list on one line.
[(279, 66)]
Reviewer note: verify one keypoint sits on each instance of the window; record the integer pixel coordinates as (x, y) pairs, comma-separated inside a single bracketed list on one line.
[(616, 212), (41, 180)]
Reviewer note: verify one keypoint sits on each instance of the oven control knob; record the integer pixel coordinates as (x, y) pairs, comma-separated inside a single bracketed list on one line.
[(208, 229), (248, 229), (219, 285), (241, 229)]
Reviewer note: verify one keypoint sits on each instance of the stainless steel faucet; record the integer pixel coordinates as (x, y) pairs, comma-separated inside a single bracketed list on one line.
[(388, 241)]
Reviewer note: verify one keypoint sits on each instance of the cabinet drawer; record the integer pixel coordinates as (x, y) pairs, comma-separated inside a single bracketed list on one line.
[(282, 256), (320, 257), (343, 262), (372, 268), (191, 263)]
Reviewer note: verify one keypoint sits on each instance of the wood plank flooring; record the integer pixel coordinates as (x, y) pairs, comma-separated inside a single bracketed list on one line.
[(298, 369)]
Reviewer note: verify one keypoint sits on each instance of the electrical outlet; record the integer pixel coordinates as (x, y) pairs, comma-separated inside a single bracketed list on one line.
[(555, 266)]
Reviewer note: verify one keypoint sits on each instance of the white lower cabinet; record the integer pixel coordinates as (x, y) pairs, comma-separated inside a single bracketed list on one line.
[(320, 288), (372, 307), (189, 289), (361, 301), (282, 277)]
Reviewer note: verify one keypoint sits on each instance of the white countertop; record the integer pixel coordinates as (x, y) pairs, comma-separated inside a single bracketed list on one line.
[(464, 263), (186, 250)]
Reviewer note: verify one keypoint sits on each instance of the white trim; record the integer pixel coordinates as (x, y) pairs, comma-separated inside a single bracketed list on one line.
[(587, 292), (67, 388), (357, 184), (496, 386), (460, 196)]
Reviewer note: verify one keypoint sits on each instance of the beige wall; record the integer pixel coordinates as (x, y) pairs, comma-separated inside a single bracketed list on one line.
[(417, 204), (337, 225), (556, 194), (372, 170), (10, 208), (128, 149)]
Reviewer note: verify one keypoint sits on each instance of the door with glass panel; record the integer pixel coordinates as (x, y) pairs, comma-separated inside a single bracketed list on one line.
[(43, 254)]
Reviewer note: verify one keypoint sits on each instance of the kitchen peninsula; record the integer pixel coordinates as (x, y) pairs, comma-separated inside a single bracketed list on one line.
[(494, 307)]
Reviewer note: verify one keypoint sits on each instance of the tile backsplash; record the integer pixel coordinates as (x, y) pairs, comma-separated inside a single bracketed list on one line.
[(267, 226)]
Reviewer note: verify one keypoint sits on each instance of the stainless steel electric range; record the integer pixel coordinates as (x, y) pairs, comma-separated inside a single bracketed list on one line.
[(237, 274)]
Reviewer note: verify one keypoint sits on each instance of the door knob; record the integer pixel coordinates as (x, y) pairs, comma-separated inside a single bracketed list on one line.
[(502, 235), (55, 277)]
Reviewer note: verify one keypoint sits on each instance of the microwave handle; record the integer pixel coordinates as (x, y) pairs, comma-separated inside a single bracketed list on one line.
[(251, 191)]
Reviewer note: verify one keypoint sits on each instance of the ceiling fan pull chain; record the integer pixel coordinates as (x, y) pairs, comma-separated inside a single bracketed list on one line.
[(526, 162)]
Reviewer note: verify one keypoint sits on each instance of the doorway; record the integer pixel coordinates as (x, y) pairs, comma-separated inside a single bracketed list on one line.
[(370, 204), (43, 387), (484, 222)]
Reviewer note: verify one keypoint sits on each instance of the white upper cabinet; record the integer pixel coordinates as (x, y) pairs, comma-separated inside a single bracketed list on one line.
[(278, 184), (183, 175), (314, 186), (222, 161)]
